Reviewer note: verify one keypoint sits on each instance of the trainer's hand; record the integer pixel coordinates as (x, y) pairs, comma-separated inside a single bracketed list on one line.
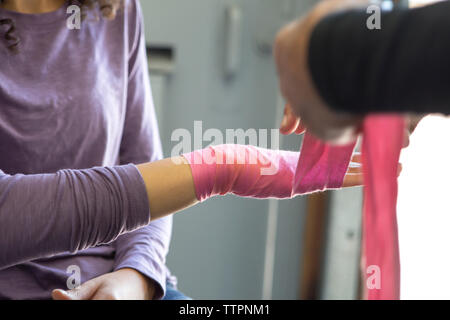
[(291, 55), (291, 123)]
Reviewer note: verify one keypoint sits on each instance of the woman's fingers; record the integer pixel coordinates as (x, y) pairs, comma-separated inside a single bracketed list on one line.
[(353, 180), (355, 166), (354, 176), (356, 158), (354, 170), (406, 137), (399, 170), (59, 294), (83, 292)]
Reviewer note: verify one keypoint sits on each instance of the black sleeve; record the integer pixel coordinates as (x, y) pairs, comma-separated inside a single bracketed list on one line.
[(404, 67)]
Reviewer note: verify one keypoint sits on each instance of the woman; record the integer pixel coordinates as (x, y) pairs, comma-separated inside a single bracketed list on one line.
[(78, 99)]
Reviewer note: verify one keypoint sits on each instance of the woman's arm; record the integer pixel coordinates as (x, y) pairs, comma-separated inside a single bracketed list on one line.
[(46, 214), (245, 171)]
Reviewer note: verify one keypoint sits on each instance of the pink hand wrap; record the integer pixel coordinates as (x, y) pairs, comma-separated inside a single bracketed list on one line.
[(321, 166), (246, 171)]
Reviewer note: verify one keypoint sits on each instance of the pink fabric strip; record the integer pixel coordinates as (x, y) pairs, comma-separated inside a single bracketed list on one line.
[(382, 143), (322, 166)]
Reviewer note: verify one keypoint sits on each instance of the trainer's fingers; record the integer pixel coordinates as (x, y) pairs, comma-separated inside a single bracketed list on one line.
[(290, 121), (300, 128)]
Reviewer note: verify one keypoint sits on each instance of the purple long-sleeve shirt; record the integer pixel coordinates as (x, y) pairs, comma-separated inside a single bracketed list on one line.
[(71, 100)]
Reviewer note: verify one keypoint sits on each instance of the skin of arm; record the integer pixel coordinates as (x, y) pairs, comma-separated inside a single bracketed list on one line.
[(33, 7), (175, 189)]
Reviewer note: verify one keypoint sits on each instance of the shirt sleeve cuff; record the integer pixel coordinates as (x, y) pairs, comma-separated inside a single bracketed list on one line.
[(136, 191)]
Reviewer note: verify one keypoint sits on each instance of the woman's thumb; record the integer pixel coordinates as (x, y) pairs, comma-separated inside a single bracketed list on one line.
[(83, 292)]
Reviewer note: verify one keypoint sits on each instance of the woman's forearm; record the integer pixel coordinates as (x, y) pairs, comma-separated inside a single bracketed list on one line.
[(177, 183), (46, 214), (246, 171), (170, 186)]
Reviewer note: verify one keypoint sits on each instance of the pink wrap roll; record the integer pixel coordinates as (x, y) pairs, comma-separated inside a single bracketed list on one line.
[(382, 143), (324, 164)]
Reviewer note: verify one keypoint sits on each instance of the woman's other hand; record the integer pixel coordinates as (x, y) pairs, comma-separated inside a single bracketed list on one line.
[(123, 284)]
